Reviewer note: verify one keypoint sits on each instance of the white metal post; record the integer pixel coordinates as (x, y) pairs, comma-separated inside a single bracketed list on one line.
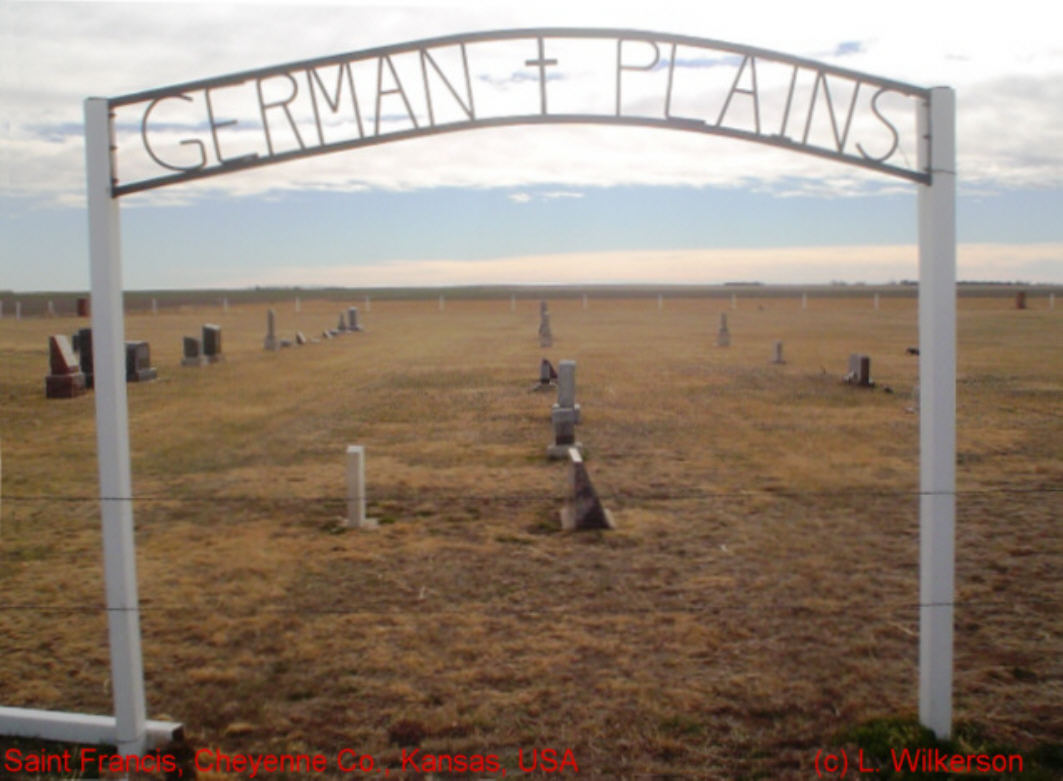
[(937, 408), (356, 516), (112, 434)]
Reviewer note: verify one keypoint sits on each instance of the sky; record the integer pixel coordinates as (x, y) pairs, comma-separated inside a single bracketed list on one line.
[(528, 204)]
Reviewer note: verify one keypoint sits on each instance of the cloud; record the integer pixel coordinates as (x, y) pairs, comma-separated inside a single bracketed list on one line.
[(796, 265), (1009, 83)]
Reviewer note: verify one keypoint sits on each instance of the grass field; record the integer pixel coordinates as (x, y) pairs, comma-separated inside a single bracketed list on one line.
[(758, 599)]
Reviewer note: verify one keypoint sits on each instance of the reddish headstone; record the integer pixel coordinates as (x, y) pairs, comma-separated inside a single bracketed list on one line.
[(83, 307), (66, 379), (1020, 299)]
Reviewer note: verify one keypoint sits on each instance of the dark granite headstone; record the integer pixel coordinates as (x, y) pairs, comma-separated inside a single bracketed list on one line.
[(342, 325), (192, 354), (1020, 299), (547, 374), (66, 379), (212, 342), (83, 345), (138, 366), (83, 307)]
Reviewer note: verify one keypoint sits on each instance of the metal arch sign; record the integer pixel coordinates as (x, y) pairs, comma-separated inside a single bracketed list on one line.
[(514, 77)]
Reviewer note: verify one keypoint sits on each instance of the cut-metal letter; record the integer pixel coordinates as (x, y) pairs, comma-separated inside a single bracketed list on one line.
[(214, 125), (334, 105), (620, 66), (427, 58), (751, 92), (188, 141), (282, 105), (887, 123), (381, 92)]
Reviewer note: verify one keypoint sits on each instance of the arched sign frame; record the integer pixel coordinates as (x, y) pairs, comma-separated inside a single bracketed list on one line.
[(934, 175)]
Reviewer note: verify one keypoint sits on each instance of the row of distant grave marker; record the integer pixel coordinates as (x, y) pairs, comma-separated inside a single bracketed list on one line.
[(348, 323)]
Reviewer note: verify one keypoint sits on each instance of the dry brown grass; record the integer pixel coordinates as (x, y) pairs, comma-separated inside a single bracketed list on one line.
[(759, 595)]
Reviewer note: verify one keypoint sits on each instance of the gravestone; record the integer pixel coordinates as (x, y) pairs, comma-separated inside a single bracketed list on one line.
[(65, 380), (271, 330), (341, 326), (299, 338), (1020, 299), (546, 336), (298, 305), (225, 305), (83, 307), (583, 508), (804, 300), (734, 301), (859, 371), (777, 357), (138, 366), (192, 352), (83, 346), (584, 302), (565, 414), (547, 375), (512, 303), (723, 336), (154, 306), (368, 305), (18, 310), (51, 308), (285, 342), (212, 343), (352, 319), (326, 334), (660, 302), (442, 303)]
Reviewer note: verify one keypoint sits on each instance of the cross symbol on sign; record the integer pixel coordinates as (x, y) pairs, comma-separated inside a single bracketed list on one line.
[(541, 63)]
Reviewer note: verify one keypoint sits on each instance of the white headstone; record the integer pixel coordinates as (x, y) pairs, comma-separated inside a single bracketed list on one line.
[(154, 307), (368, 306), (225, 304), (512, 303), (18, 310), (356, 517), (51, 308), (566, 384), (298, 305)]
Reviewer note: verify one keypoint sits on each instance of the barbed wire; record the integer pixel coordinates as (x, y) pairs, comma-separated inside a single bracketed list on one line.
[(437, 493), (511, 610)]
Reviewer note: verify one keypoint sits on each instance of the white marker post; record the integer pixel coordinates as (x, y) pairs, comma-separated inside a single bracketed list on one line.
[(298, 305), (660, 302), (112, 434), (442, 303), (937, 408), (368, 305), (356, 518)]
